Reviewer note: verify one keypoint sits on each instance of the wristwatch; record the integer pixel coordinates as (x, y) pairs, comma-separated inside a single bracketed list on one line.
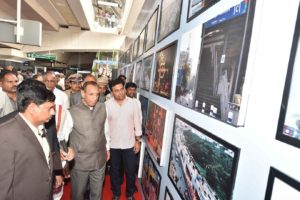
[(138, 139)]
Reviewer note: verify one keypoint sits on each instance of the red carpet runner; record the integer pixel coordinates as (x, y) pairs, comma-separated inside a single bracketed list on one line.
[(107, 194)]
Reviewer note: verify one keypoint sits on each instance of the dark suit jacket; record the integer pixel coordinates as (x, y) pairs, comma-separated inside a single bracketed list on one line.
[(54, 145), (24, 172)]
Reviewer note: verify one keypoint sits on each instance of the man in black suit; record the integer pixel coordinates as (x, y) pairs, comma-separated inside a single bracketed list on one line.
[(25, 153)]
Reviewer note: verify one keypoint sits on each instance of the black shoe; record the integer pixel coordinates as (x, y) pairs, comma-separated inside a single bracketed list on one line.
[(115, 198), (130, 198)]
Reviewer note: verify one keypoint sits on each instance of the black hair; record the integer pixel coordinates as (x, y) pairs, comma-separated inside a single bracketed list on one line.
[(5, 72), (121, 76), (32, 91), (89, 83), (130, 85), (115, 82)]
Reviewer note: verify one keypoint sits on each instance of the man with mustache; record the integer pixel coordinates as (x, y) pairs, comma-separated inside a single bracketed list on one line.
[(25, 152), (8, 82)]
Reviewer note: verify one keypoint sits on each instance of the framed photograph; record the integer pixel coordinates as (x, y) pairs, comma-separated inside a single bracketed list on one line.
[(281, 186), (122, 60), (168, 195), (150, 178), (198, 6), (138, 72), (169, 18), (135, 49), (144, 104), (288, 130), (141, 42), (223, 62), (129, 55), (187, 67), (122, 71), (129, 73), (165, 59), (155, 129), (146, 73), (201, 166), (151, 31)]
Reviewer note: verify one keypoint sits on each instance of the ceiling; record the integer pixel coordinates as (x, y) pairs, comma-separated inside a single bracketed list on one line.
[(54, 14), (84, 15)]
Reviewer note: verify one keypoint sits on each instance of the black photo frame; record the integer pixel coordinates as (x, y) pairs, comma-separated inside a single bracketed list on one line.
[(155, 130), (281, 186), (199, 158), (146, 73), (135, 48), (168, 195), (144, 106), (151, 31), (197, 7), (141, 42), (164, 67), (150, 178), (170, 14), (222, 68), (288, 129), (138, 72)]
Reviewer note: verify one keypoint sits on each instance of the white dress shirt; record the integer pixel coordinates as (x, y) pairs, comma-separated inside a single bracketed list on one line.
[(42, 140)]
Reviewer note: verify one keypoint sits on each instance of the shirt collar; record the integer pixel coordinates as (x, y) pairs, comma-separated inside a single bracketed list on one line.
[(31, 126)]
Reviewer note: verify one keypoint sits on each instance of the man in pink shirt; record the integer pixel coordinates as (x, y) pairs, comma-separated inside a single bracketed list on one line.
[(125, 130)]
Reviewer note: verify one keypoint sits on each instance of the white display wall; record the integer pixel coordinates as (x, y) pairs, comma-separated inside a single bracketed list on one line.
[(267, 64)]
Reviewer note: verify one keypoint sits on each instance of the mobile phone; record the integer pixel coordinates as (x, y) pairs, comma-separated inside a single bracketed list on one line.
[(63, 145)]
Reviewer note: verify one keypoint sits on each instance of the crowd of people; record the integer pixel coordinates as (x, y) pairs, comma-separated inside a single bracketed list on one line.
[(49, 133)]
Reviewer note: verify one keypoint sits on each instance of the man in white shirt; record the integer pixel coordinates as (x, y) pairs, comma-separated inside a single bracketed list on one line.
[(124, 128), (8, 83), (60, 97)]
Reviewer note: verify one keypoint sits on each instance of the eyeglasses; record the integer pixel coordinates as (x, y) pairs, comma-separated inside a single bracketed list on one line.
[(50, 81)]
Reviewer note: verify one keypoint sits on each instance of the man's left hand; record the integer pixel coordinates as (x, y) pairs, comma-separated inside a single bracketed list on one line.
[(107, 155), (137, 147)]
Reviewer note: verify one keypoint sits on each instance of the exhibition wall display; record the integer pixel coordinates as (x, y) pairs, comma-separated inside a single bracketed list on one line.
[(217, 82)]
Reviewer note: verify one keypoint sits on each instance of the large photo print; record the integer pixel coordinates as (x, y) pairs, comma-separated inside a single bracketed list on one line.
[(289, 121), (146, 73), (144, 106), (151, 31), (150, 178), (187, 67), (163, 76), (201, 166), (138, 72), (169, 18), (223, 63), (155, 128)]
